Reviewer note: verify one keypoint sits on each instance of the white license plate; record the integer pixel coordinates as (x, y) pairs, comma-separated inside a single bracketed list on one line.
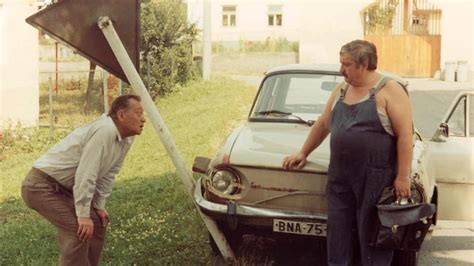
[(300, 228)]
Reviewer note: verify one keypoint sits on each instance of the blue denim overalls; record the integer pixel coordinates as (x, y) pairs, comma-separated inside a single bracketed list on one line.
[(363, 162)]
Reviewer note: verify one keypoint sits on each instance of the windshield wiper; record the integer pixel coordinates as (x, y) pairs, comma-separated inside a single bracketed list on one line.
[(278, 112)]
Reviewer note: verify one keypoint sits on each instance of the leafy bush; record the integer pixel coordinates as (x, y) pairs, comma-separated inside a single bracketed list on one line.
[(25, 140), (166, 45)]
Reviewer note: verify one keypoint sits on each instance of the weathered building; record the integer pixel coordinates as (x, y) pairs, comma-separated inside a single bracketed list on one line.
[(19, 92)]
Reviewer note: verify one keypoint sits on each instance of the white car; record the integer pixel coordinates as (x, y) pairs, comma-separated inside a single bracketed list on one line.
[(450, 158), (244, 187)]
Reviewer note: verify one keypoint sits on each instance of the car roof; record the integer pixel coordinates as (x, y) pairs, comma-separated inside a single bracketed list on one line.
[(323, 68)]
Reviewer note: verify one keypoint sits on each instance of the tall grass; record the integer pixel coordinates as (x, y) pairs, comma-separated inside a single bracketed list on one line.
[(153, 219)]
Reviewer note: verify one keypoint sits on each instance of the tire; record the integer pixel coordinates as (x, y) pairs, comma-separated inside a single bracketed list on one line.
[(405, 258)]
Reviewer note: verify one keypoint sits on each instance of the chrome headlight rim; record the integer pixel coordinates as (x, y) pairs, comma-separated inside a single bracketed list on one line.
[(229, 178)]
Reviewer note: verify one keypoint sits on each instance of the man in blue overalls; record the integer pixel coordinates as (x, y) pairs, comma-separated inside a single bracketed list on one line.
[(370, 121)]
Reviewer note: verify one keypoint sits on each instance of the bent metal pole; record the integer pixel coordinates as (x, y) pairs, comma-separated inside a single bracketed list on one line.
[(105, 24)]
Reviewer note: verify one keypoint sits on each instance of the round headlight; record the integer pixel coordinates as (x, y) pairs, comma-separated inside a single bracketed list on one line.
[(225, 181)]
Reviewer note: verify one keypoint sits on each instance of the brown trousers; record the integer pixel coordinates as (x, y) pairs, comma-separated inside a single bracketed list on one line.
[(44, 195)]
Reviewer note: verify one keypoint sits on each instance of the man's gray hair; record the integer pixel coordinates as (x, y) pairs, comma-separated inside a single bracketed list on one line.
[(363, 52)]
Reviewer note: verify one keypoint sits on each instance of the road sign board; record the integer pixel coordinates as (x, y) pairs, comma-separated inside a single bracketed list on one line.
[(74, 23)]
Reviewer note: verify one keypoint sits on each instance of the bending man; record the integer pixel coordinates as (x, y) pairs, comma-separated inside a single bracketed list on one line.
[(69, 184)]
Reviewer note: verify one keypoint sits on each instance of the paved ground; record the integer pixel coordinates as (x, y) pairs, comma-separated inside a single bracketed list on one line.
[(437, 85), (452, 242)]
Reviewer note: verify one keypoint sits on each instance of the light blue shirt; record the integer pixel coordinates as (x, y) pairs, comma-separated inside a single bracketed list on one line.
[(86, 162)]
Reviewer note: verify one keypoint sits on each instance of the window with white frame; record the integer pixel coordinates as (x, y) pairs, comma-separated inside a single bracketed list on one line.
[(275, 15), (228, 16)]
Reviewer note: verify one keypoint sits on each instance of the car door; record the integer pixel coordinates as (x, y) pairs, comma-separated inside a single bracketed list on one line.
[(451, 161)]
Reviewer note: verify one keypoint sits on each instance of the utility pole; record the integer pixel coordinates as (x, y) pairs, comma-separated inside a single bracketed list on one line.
[(206, 41)]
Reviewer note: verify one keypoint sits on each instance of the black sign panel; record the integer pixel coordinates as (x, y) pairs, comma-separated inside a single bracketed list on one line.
[(74, 23)]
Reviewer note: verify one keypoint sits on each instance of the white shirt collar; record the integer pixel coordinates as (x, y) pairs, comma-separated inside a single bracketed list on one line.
[(119, 137)]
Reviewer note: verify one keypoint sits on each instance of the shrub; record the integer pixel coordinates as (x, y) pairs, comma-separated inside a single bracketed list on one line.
[(166, 45)]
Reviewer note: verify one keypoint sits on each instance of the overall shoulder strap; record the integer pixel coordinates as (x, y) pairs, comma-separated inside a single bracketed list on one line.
[(382, 83), (379, 86), (343, 92)]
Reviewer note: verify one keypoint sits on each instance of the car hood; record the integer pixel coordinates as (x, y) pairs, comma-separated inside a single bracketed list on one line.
[(266, 144)]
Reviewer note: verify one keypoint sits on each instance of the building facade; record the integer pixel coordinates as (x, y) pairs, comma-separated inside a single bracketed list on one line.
[(322, 26), (19, 71)]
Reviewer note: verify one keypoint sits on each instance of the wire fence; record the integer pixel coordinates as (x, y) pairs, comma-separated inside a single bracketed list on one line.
[(70, 98), (76, 93)]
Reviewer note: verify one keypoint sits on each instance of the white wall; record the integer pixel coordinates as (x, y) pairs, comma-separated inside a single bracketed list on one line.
[(457, 31), (19, 93), (327, 26), (320, 26), (251, 20)]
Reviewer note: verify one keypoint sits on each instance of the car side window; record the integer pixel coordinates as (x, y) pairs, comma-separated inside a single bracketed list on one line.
[(471, 116), (267, 96), (457, 120)]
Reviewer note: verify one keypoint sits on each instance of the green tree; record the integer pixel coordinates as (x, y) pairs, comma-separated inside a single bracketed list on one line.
[(380, 17), (166, 45)]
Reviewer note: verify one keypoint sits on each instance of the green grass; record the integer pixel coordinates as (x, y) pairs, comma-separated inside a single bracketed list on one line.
[(153, 219)]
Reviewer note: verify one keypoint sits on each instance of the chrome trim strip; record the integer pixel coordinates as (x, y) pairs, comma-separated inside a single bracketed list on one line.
[(251, 211)]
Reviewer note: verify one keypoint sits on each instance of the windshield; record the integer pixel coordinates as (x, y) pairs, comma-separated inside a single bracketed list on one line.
[(289, 97)]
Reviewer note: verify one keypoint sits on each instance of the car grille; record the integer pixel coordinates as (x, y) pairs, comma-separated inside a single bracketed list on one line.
[(275, 188)]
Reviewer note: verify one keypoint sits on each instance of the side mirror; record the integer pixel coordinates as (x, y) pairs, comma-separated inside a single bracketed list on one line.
[(201, 164), (444, 130)]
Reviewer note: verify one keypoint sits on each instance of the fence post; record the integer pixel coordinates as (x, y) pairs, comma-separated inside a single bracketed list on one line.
[(120, 87), (147, 62), (51, 118), (56, 63), (105, 76)]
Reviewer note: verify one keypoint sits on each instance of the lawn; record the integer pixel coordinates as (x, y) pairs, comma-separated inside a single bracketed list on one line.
[(153, 219)]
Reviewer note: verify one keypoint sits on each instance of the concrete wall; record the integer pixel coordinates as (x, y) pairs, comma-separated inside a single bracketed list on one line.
[(251, 20), (19, 93), (326, 26), (457, 31)]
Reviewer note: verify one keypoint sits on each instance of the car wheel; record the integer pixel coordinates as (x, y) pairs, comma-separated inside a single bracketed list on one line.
[(405, 258)]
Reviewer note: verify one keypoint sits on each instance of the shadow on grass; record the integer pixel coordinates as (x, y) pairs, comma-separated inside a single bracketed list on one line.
[(153, 223)]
